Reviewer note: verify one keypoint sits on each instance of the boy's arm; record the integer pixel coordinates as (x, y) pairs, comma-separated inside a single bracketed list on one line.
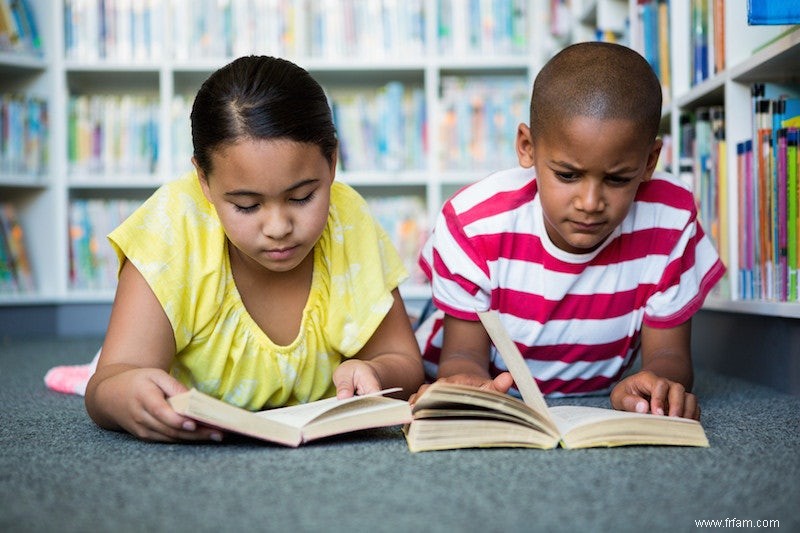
[(465, 357), (664, 383)]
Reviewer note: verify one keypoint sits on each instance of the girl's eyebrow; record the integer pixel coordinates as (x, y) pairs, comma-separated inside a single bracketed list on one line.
[(298, 185)]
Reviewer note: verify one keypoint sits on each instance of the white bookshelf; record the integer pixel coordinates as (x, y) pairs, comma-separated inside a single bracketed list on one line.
[(764, 54), (43, 201)]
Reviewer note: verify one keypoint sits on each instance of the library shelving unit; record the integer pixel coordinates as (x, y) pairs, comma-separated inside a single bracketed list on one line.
[(158, 55), (764, 54), (454, 66)]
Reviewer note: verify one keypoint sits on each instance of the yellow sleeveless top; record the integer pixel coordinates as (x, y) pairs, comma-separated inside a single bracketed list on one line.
[(176, 241)]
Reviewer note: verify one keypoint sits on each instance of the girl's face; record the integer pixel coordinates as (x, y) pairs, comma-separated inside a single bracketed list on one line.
[(587, 172), (272, 197)]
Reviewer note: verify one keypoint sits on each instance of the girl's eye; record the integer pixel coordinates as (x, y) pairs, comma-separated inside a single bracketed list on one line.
[(303, 200), (246, 209)]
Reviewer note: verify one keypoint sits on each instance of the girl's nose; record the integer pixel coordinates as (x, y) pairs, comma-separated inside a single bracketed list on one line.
[(275, 224)]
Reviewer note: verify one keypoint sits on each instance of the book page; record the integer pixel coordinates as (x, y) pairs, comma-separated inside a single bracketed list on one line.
[(302, 414), (526, 385)]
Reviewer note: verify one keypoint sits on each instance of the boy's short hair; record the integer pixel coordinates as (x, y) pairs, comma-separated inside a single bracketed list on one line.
[(598, 80)]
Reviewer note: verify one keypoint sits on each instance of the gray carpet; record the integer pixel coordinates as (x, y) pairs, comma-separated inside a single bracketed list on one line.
[(59, 472)]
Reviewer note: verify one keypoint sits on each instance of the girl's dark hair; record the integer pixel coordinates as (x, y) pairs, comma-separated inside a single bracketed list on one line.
[(260, 97)]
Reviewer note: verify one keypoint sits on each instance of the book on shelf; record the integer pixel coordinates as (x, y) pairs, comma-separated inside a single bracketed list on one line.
[(23, 135), (654, 26), (767, 209), (773, 12), (16, 274), (479, 115), (707, 39), (120, 31), (448, 416), (19, 31), (93, 262), (488, 27), (297, 424), (382, 128)]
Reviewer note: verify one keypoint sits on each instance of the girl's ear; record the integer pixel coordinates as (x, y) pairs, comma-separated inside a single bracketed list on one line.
[(203, 179), (524, 146), (652, 158)]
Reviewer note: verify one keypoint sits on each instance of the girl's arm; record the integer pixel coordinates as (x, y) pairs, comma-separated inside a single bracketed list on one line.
[(663, 385), (390, 358), (129, 389)]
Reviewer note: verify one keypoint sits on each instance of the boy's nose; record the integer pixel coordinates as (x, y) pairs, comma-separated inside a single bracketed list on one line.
[(590, 198)]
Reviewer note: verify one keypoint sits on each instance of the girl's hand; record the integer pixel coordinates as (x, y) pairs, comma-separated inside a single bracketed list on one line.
[(645, 392), (355, 376), (138, 400)]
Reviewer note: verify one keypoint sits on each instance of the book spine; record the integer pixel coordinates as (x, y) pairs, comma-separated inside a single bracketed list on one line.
[(793, 222)]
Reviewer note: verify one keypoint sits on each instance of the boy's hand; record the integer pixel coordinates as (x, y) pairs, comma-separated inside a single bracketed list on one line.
[(501, 383), (355, 376), (645, 392)]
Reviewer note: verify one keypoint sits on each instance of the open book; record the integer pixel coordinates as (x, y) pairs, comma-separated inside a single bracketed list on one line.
[(294, 425), (449, 416)]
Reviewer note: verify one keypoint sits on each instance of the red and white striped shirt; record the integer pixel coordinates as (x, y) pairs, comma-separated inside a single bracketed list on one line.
[(576, 318)]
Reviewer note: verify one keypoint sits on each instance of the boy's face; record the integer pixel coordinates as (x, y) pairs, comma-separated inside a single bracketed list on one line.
[(588, 171)]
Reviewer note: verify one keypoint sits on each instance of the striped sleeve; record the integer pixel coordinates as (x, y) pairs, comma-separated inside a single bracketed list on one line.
[(693, 268)]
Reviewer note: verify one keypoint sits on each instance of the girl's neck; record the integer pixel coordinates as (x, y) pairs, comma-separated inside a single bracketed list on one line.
[(275, 300)]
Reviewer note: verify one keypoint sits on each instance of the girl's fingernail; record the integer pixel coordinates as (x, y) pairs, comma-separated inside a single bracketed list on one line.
[(216, 437), (189, 425)]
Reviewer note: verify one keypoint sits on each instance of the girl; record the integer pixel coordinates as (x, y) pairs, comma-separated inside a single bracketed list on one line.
[(256, 278)]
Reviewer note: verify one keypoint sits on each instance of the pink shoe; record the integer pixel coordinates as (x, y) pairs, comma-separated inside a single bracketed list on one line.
[(70, 379)]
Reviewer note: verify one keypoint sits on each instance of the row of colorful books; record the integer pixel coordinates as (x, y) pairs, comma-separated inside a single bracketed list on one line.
[(16, 275), (703, 155), (479, 121), (132, 30), (123, 30), (405, 220), (93, 263), (381, 129), (112, 135), (482, 26), (24, 130), (769, 200), (19, 31)]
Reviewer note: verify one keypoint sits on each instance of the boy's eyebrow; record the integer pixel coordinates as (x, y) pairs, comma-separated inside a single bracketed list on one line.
[(298, 185), (570, 166)]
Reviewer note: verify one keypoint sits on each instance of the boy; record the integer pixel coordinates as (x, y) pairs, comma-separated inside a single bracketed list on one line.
[(589, 255)]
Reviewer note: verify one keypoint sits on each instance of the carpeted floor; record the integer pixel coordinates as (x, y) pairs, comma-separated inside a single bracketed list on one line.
[(59, 472)]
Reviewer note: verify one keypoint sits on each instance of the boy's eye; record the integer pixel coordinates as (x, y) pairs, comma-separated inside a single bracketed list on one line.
[(246, 208), (565, 176), (618, 180)]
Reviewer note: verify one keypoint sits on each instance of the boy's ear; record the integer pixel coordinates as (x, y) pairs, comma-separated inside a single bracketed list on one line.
[(652, 158), (203, 179), (524, 146)]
